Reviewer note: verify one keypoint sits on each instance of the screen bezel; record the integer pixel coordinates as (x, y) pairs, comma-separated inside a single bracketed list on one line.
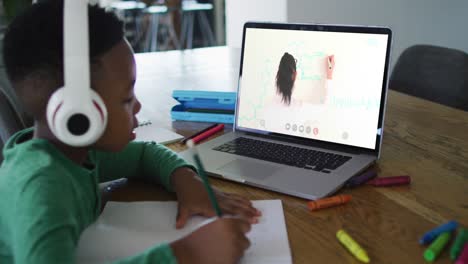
[(322, 28)]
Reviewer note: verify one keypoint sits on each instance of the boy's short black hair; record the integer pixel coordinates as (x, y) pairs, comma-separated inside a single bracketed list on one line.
[(33, 43)]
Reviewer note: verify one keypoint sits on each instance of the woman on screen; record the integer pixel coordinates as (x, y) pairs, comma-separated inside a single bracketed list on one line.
[(304, 92)]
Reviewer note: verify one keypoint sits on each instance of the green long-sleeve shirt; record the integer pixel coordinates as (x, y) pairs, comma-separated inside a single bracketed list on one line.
[(46, 200)]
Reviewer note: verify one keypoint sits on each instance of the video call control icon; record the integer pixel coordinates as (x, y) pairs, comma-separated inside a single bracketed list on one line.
[(345, 135), (301, 128)]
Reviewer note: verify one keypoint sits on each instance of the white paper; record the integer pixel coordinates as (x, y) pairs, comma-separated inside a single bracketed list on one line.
[(150, 132), (126, 229)]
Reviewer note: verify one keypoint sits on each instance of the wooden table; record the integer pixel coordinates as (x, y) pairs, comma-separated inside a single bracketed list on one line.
[(425, 140)]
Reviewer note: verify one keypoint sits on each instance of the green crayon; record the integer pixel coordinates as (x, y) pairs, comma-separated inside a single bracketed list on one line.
[(431, 253), (457, 246)]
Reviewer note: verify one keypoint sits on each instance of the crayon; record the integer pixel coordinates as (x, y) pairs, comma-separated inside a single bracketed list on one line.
[(198, 133), (116, 184), (352, 246), (431, 235), (390, 181), (431, 253), (463, 258), (207, 133), (457, 246), (361, 179), (329, 202)]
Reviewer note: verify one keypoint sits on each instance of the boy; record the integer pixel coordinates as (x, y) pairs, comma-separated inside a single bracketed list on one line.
[(50, 190)]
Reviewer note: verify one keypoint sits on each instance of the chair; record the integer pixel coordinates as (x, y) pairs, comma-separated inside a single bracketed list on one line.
[(10, 120), (434, 73), (190, 11), (131, 12), (158, 14)]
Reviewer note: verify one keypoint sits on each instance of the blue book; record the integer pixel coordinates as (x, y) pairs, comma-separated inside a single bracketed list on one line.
[(204, 106)]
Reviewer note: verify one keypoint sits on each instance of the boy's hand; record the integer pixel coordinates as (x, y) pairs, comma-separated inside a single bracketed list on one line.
[(330, 60), (222, 241), (194, 200)]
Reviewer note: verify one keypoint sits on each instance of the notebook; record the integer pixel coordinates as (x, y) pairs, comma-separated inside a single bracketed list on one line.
[(147, 131), (310, 108), (126, 229)]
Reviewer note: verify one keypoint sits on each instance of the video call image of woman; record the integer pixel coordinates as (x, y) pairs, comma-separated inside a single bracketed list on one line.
[(291, 90)]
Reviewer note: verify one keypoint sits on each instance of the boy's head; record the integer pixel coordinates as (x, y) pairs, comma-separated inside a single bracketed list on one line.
[(33, 54)]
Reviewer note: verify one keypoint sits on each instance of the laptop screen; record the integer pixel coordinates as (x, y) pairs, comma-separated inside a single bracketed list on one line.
[(316, 84)]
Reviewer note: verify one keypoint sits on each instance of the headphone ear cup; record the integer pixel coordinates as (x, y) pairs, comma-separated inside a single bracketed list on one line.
[(76, 123), (53, 105), (100, 108)]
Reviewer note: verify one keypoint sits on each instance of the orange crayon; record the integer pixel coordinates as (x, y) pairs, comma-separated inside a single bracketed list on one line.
[(329, 202)]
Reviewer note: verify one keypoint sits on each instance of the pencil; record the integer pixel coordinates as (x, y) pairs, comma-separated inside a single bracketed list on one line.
[(201, 173), (198, 133)]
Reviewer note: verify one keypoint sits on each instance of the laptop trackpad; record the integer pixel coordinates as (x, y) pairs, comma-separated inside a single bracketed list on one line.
[(245, 168)]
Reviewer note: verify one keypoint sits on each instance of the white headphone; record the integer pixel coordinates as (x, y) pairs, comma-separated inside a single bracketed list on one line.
[(76, 114)]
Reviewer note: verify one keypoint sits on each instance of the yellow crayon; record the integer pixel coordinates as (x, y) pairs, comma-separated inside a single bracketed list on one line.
[(352, 246)]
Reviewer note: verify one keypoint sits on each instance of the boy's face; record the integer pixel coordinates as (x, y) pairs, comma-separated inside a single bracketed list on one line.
[(114, 82)]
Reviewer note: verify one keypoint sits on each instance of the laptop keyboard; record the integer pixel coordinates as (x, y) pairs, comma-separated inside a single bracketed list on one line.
[(284, 154)]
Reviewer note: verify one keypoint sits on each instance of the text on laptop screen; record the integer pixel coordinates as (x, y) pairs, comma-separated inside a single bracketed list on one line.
[(313, 84)]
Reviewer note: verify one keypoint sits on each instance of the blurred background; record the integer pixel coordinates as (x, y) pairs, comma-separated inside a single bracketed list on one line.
[(160, 25)]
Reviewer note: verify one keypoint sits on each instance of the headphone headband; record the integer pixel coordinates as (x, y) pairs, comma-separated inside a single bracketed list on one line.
[(76, 115), (76, 48)]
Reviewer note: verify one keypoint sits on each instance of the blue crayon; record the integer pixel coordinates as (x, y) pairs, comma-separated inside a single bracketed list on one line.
[(431, 235), (361, 179)]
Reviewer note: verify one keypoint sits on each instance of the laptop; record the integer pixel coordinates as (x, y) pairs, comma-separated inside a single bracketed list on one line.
[(309, 111)]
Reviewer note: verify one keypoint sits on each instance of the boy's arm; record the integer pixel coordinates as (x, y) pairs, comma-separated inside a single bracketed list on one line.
[(47, 219), (43, 227), (146, 160)]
